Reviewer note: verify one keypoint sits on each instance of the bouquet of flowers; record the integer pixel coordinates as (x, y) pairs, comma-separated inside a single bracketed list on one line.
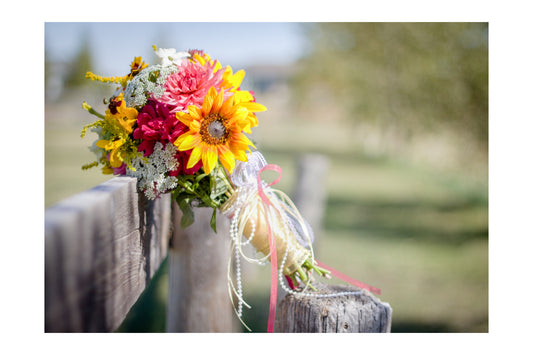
[(180, 127)]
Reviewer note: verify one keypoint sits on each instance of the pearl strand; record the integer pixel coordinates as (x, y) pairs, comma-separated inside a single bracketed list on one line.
[(306, 294), (286, 225), (239, 282), (238, 278)]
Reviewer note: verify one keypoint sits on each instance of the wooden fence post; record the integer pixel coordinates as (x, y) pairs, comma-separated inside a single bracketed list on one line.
[(198, 299), (344, 314), (361, 313)]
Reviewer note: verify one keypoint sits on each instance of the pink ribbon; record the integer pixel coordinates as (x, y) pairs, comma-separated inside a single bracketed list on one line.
[(348, 279), (274, 258), (272, 245)]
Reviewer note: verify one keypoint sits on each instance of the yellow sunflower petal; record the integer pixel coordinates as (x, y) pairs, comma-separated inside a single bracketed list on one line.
[(217, 102), (239, 123), (228, 109), (196, 154), (195, 112), (180, 139), (253, 106), (184, 117), (238, 116), (252, 119), (195, 126), (234, 80), (226, 157), (246, 128), (190, 141), (243, 96), (238, 77), (239, 154), (228, 72), (240, 139), (209, 158), (208, 101), (226, 77)]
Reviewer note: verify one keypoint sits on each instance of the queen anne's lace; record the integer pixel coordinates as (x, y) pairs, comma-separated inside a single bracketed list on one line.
[(149, 82), (152, 174)]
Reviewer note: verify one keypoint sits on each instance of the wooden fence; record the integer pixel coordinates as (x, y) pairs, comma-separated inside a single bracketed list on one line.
[(103, 246)]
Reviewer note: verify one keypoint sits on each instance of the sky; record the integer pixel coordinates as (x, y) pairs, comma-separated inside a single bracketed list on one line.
[(238, 44)]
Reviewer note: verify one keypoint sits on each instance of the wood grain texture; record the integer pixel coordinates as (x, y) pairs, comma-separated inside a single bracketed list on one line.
[(198, 299), (102, 248), (363, 313)]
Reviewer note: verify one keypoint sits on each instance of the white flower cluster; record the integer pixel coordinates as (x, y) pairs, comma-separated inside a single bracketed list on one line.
[(152, 174), (150, 80), (170, 56)]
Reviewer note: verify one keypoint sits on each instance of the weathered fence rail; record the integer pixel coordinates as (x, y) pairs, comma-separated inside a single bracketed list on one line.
[(103, 246)]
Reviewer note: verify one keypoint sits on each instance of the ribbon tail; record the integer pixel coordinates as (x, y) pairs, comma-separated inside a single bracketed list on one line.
[(348, 279), (273, 280), (272, 245)]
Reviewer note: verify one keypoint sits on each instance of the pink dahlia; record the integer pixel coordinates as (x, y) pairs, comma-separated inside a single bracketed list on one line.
[(190, 85), (155, 123)]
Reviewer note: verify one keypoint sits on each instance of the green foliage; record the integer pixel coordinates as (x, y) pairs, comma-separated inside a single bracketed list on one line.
[(201, 190), (403, 76)]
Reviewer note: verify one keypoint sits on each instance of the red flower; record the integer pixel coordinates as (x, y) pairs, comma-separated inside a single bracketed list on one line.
[(155, 123), (183, 158)]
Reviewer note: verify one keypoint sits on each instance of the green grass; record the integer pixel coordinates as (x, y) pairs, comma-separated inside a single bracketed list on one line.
[(428, 285), (65, 153), (417, 232)]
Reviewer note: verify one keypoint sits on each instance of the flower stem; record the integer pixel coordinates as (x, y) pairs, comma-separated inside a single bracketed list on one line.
[(211, 203), (307, 267), (89, 109), (227, 180), (310, 265)]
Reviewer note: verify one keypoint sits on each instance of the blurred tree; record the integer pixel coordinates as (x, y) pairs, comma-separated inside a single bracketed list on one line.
[(81, 64), (400, 77)]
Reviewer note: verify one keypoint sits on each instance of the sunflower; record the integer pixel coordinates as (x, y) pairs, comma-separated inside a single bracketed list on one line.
[(216, 131), (232, 83)]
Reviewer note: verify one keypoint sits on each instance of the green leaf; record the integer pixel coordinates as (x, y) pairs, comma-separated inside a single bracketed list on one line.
[(188, 214), (213, 222), (187, 219), (200, 177)]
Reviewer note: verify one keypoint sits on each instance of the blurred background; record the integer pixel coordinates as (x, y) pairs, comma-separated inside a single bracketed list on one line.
[(400, 110)]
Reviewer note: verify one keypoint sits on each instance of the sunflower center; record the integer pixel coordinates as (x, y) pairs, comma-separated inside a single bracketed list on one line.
[(214, 130)]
